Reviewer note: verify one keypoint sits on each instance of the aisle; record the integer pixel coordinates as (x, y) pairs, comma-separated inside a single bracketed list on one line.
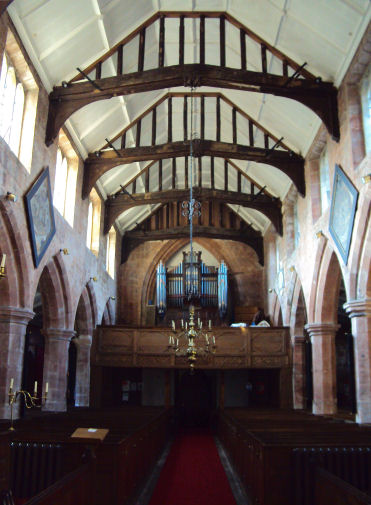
[(193, 473)]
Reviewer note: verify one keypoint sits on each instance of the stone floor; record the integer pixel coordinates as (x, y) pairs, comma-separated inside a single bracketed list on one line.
[(237, 489)]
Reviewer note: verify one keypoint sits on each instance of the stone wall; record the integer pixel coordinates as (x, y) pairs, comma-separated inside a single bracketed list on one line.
[(64, 277)]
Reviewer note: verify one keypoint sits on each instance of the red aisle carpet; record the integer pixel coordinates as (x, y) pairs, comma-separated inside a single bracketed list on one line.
[(193, 474)]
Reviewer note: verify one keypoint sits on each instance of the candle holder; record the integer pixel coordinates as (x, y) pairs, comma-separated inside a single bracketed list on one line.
[(191, 340), (29, 401)]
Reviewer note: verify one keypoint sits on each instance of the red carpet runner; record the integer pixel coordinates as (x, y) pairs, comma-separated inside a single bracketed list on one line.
[(193, 474)]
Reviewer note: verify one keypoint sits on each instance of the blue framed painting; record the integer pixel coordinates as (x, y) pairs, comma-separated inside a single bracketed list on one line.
[(342, 212), (40, 215)]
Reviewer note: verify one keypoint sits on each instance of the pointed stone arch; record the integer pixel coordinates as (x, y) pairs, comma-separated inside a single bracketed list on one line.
[(16, 286), (84, 314), (277, 311), (328, 288)]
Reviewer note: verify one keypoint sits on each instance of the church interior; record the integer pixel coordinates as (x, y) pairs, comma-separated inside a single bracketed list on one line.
[(185, 252)]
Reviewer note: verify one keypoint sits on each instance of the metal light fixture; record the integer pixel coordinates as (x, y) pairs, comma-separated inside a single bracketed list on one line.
[(11, 196), (191, 340), (64, 251), (94, 279), (366, 178), (2, 266)]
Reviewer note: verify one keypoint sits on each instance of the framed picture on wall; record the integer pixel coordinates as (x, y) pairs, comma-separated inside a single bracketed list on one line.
[(40, 215), (342, 212)]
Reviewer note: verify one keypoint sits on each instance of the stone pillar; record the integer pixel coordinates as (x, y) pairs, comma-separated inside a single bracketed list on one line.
[(298, 372), (322, 336), (57, 342), (360, 313), (82, 388), (13, 325)]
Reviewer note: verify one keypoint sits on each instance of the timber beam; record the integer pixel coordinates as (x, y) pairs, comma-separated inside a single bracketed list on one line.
[(270, 207), (288, 162), (248, 236), (320, 97), (4, 5)]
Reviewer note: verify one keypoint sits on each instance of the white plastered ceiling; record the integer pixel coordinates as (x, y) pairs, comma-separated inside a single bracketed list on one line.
[(63, 35)]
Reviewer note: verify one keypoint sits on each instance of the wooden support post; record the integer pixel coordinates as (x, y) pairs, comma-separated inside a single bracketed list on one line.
[(222, 41), (202, 40), (200, 172), (134, 186), (251, 133), (243, 48), (239, 181), (266, 141), (185, 118), (264, 58), (147, 181), (154, 127), (98, 70), (181, 40), (234, 125), (225, 175), (170, 119), (212, 173), (119, 59), (142, 43), (123, 141), (202, 117), (161, 43), (218, 119), (285, 70), (160, 175), (139, 126)]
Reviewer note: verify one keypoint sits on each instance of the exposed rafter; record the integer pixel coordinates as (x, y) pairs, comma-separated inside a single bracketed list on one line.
[(294, 82), (4, 5), (289, 163), (217, 221), (270, 207)]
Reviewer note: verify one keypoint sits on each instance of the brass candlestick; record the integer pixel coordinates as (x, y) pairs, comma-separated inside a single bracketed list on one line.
[(2, 272), (29, 400)]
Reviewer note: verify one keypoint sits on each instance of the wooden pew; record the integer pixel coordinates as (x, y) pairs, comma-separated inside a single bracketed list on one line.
[(331, 489), (44, 454), (275, 452)]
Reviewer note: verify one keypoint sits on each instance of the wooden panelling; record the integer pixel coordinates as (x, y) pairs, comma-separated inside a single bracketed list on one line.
[(236, 348)]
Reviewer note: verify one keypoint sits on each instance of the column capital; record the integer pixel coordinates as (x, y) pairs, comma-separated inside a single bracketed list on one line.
[(58, 334), (322, 329), (18, 315), (83, 340), (358, 308)]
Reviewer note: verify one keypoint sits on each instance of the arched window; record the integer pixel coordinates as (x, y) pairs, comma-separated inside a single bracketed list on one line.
[(324, 177), (93, 225), (66, 168), (11, 106), (366, 107), (111, 252), (18, 102)]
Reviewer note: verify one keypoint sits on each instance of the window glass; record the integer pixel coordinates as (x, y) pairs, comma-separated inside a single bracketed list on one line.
[(324, 180), (90, 225), (111, 252), (366, 107)]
